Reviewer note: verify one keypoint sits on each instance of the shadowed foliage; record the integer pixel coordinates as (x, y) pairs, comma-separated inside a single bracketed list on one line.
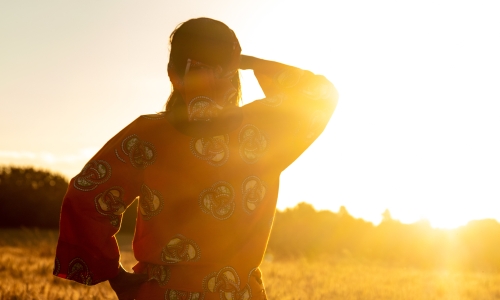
[(304, 232), (32, 198)]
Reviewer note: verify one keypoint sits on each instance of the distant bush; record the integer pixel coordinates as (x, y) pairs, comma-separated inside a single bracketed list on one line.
[(33, 198), (303, 231), (30, 197)]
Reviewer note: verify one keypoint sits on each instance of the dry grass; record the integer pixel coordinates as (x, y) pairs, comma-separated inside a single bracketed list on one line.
[(347, 279), (26, 258), (26, 262)]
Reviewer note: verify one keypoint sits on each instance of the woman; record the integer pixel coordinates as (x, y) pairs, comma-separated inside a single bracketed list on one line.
[(206, 172)]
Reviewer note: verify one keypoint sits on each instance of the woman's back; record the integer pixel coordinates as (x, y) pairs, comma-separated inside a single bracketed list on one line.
[(207, 182)]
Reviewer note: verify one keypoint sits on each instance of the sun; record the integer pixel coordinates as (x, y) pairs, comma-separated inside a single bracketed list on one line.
[(449, 219)]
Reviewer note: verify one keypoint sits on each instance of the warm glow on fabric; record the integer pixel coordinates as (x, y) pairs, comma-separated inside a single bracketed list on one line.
[(414, 132)]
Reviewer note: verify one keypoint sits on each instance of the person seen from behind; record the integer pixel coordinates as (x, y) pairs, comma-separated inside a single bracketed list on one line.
[(205, 172)]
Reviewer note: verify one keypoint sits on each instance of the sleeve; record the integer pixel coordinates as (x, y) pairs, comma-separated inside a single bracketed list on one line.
[(87, 251), (297, 108)]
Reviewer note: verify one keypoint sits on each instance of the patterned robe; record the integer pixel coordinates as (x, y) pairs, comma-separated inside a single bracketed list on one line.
[(206, 203)]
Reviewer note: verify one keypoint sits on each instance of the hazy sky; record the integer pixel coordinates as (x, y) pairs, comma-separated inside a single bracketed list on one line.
[(417, 128)]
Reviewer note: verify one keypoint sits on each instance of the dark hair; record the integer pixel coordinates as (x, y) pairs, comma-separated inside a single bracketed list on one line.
[(205, 40)]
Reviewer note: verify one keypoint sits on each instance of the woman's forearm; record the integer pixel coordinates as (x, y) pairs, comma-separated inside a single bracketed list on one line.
[(261, 65), (276, 78)]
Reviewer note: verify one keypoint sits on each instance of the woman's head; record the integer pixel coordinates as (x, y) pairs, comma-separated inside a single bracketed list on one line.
[(208, 41)]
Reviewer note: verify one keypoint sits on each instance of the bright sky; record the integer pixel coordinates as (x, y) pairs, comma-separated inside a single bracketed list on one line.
[(417, 128)]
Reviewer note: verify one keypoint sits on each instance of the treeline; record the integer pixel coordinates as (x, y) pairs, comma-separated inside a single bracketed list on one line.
[(30, 197), (305, 232), (33, 198)]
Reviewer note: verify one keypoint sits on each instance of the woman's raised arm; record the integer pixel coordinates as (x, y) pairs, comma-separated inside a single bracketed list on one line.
[(297, 107)]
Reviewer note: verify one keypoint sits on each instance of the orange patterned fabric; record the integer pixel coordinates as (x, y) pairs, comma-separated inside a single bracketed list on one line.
[(206, 203)]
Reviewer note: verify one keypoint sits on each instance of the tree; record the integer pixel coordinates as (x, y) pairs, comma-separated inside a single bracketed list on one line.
[(30, 197), (386, 216)]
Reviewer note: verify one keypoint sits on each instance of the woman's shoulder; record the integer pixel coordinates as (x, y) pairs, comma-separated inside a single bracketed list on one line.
[(149, 121), (145, 125), (154, 117)]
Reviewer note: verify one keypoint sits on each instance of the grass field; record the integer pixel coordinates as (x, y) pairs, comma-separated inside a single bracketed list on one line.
[(26, 258)]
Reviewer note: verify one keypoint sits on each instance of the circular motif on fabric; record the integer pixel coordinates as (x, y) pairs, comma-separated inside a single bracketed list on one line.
[(226, 282), (141, 153), (214, 150), (253, 190), (230, 95), (289, 77), (202, 108), (159, 273), (255, 273), (317, 123), (252, 143), (218, 200), (150, 202), (275, 100), (180, 248), (119, 157), (182, 295), (79, 272), (317, 91), (110, 203), (93, 173)]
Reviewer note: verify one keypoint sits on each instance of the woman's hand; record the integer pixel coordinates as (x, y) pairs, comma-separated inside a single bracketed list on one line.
[(126, 285)]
